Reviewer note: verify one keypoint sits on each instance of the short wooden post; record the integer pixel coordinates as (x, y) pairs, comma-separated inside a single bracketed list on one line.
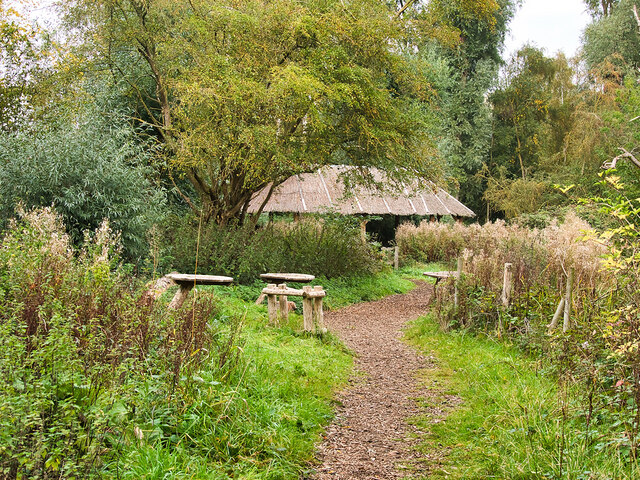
[(318, 315), (456, 300), (180, 296), (396, 258), (272, 305), (507, 284), (307, 309), (284, 308), (568, 300)]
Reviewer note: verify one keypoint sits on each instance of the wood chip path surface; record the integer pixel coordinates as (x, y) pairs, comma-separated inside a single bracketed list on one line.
[(370, 437)]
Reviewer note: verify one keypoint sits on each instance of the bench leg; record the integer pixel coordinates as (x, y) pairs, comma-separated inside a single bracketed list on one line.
[(318, 315), (307, 313), (284, 308), (180, 296), (272, 308)]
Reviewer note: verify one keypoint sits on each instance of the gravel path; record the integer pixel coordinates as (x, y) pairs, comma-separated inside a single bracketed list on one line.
[(369, 438)]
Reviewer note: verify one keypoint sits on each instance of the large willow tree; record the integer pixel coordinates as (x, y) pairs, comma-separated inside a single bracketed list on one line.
[(242, 93)]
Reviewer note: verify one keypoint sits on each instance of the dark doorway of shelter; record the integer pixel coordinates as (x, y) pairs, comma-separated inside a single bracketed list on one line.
[(382, 228)]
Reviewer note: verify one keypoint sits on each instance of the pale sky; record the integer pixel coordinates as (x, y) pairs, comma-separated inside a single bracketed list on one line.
[(550, 24)]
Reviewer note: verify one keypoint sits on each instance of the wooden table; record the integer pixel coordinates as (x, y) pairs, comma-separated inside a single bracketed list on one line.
[(187, 281), (287, 277)]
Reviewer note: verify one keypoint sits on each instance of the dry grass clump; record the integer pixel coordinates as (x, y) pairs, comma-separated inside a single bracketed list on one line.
[(431, 241), (540, 259)]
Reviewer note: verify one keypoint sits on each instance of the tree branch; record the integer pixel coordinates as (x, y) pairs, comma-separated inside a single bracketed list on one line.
[(406, 5), (184, 197), (625, 154)]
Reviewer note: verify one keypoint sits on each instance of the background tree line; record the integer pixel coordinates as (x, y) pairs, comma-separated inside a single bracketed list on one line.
[(135, 109)]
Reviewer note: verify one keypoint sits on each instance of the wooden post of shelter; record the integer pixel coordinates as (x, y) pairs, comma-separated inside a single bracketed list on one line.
[(363, 230)]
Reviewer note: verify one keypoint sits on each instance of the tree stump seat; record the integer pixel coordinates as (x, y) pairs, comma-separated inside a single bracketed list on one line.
[(311, 304)]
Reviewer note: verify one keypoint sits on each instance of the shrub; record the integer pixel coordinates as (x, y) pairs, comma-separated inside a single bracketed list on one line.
[(82, 355), (89, 169), (327, 246)]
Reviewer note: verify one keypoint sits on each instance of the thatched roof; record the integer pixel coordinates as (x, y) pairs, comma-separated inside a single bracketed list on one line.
[(324, 191)]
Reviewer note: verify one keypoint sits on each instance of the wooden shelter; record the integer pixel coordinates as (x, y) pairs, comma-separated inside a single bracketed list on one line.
[(324, 191)]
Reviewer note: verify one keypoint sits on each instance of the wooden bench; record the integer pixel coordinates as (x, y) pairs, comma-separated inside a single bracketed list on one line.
[(441, 275), (187, 281), (281, 278), (311, 304)]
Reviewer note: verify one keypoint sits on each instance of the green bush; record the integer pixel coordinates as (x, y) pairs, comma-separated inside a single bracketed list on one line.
[(82, 355), (322, 246), (89, 169)]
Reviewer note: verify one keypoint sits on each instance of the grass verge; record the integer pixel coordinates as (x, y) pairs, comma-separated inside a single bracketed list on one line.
[(513, 421)]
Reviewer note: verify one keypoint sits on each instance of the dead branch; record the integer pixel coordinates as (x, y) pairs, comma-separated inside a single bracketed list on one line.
[(625, 154)]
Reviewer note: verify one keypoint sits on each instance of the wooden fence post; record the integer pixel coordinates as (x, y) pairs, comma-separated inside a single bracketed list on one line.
[(556, 316), (568, 300), (507, 284), (396, 258)]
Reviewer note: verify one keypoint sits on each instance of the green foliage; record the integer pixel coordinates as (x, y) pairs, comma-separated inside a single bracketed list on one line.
[(100, 382), (23, 61), (615, 34), (248, 93), (472, 60), (89, 168), (324, 246), (511, 418), (79, 348)]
